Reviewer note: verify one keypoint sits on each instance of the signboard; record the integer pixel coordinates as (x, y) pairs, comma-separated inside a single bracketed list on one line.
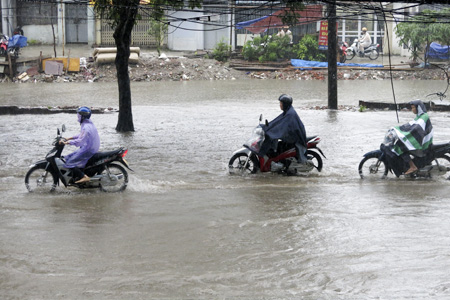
[(323, 35)]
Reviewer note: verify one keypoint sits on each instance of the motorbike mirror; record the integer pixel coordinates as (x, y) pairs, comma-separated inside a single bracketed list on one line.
[(267, 123), (260, 117), (57, 132), (63, 128)]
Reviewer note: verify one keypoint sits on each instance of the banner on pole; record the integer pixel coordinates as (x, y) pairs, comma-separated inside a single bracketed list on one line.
[(323, 35)]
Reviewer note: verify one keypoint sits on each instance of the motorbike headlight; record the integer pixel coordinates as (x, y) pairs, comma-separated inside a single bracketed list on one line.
[(259, 131), (390, 137)]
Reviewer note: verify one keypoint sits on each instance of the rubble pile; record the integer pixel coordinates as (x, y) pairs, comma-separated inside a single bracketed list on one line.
[(349, 74), (153, 68)]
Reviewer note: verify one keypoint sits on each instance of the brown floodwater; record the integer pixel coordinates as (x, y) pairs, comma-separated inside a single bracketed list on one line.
[(186, 229)]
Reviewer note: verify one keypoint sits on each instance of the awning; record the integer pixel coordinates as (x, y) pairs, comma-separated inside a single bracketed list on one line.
[(311, 13)]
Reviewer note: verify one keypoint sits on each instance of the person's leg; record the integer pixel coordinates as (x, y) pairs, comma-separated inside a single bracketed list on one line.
[(79, 176), (361, 49), (412, 166)]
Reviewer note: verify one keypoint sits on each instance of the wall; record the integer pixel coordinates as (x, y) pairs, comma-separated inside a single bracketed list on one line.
[(185, 35), (40, 33)]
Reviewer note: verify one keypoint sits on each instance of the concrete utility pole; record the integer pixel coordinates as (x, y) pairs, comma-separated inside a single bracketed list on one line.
[(332, 57)]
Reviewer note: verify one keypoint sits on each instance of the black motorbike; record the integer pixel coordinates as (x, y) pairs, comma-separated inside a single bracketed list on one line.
[(435, 161), (105, 170)]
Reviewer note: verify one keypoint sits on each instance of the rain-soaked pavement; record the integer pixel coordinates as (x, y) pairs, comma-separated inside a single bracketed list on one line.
[(186, 229)]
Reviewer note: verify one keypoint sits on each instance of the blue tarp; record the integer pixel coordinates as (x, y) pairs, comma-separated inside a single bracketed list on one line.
[(17, 41), (242, 25), (305, 64), (438, 51)]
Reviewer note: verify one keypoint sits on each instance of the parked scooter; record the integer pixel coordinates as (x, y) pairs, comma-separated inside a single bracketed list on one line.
[(3, 44), (105, 170), (371, 51), (377, 163), (343, 51), (16, 42), (247, 160)]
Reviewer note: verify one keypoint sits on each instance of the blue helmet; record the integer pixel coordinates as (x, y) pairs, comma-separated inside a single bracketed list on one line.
[(84, 112)]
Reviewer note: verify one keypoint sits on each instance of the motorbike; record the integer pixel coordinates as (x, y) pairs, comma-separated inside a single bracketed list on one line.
[(16, 42), (343, 51), (105, 169), (378, 163), (3, 44), (372, 51), (247, 161)]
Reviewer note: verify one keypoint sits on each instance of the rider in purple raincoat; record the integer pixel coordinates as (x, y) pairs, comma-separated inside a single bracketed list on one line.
[(89, 142)]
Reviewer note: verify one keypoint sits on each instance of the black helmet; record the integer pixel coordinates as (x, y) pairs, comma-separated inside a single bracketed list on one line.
[(286, 100)]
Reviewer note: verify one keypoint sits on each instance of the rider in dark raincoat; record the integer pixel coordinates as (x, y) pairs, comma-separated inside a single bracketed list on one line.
[(288, 128)]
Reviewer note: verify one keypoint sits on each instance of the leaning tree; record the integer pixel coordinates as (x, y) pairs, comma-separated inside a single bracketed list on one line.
[(123, 14)]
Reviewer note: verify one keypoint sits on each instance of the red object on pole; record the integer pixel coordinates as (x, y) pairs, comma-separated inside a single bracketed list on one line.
[(311, 13)]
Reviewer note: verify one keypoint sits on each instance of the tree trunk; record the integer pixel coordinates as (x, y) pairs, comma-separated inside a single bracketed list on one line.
[(332, 57), (122, 37)]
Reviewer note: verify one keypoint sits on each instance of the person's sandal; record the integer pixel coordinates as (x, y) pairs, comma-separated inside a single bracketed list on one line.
[(83, 180), (411, 171)]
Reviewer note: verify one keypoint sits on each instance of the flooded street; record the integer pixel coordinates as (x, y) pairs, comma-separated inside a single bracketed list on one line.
[(186, 229)]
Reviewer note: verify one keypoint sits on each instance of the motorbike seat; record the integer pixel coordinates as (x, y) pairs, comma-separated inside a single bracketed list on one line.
[(435, 147), (100, 155)]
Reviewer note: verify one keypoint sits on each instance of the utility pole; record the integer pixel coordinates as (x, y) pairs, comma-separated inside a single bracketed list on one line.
[(332, 57)]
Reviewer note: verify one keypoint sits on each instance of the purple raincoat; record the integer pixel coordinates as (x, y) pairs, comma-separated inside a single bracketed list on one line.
[(89, 142)]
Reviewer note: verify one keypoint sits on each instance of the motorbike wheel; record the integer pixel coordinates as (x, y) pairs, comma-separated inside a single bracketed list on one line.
[(115, 179), (444, 164), (238, 165), (371, 167), (38, 180), (315, 158), (373, 54), (343, 57), (349, 54)]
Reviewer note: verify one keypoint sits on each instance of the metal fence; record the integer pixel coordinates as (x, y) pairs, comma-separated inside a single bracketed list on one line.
[(139, 35)]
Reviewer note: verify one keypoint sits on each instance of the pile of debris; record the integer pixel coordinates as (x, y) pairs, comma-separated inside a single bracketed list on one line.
[(16, 110), (148, 68)]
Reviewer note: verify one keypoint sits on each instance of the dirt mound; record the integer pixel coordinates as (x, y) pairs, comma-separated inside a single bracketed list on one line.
[(184, 69)]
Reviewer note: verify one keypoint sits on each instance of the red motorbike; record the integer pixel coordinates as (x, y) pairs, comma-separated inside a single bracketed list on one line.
[(343, 51), (247, 160), (3, 44)]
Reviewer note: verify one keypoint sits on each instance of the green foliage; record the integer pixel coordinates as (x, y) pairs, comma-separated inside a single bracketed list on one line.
[(32, 42), (222, 51), (422, 30), (308, 49), (158, 29), (362, 108), (290, 16), (267, 48), (117, 10), (252, 49)]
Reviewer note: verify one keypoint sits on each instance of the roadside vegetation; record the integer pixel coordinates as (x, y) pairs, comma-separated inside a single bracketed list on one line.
[(422, 30), (274, 48)]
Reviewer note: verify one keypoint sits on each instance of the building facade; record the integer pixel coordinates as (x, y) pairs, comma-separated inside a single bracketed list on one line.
[(73, 21)]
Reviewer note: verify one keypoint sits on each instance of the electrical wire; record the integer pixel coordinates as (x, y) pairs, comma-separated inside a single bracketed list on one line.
[(241, 10), (390, 71)]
